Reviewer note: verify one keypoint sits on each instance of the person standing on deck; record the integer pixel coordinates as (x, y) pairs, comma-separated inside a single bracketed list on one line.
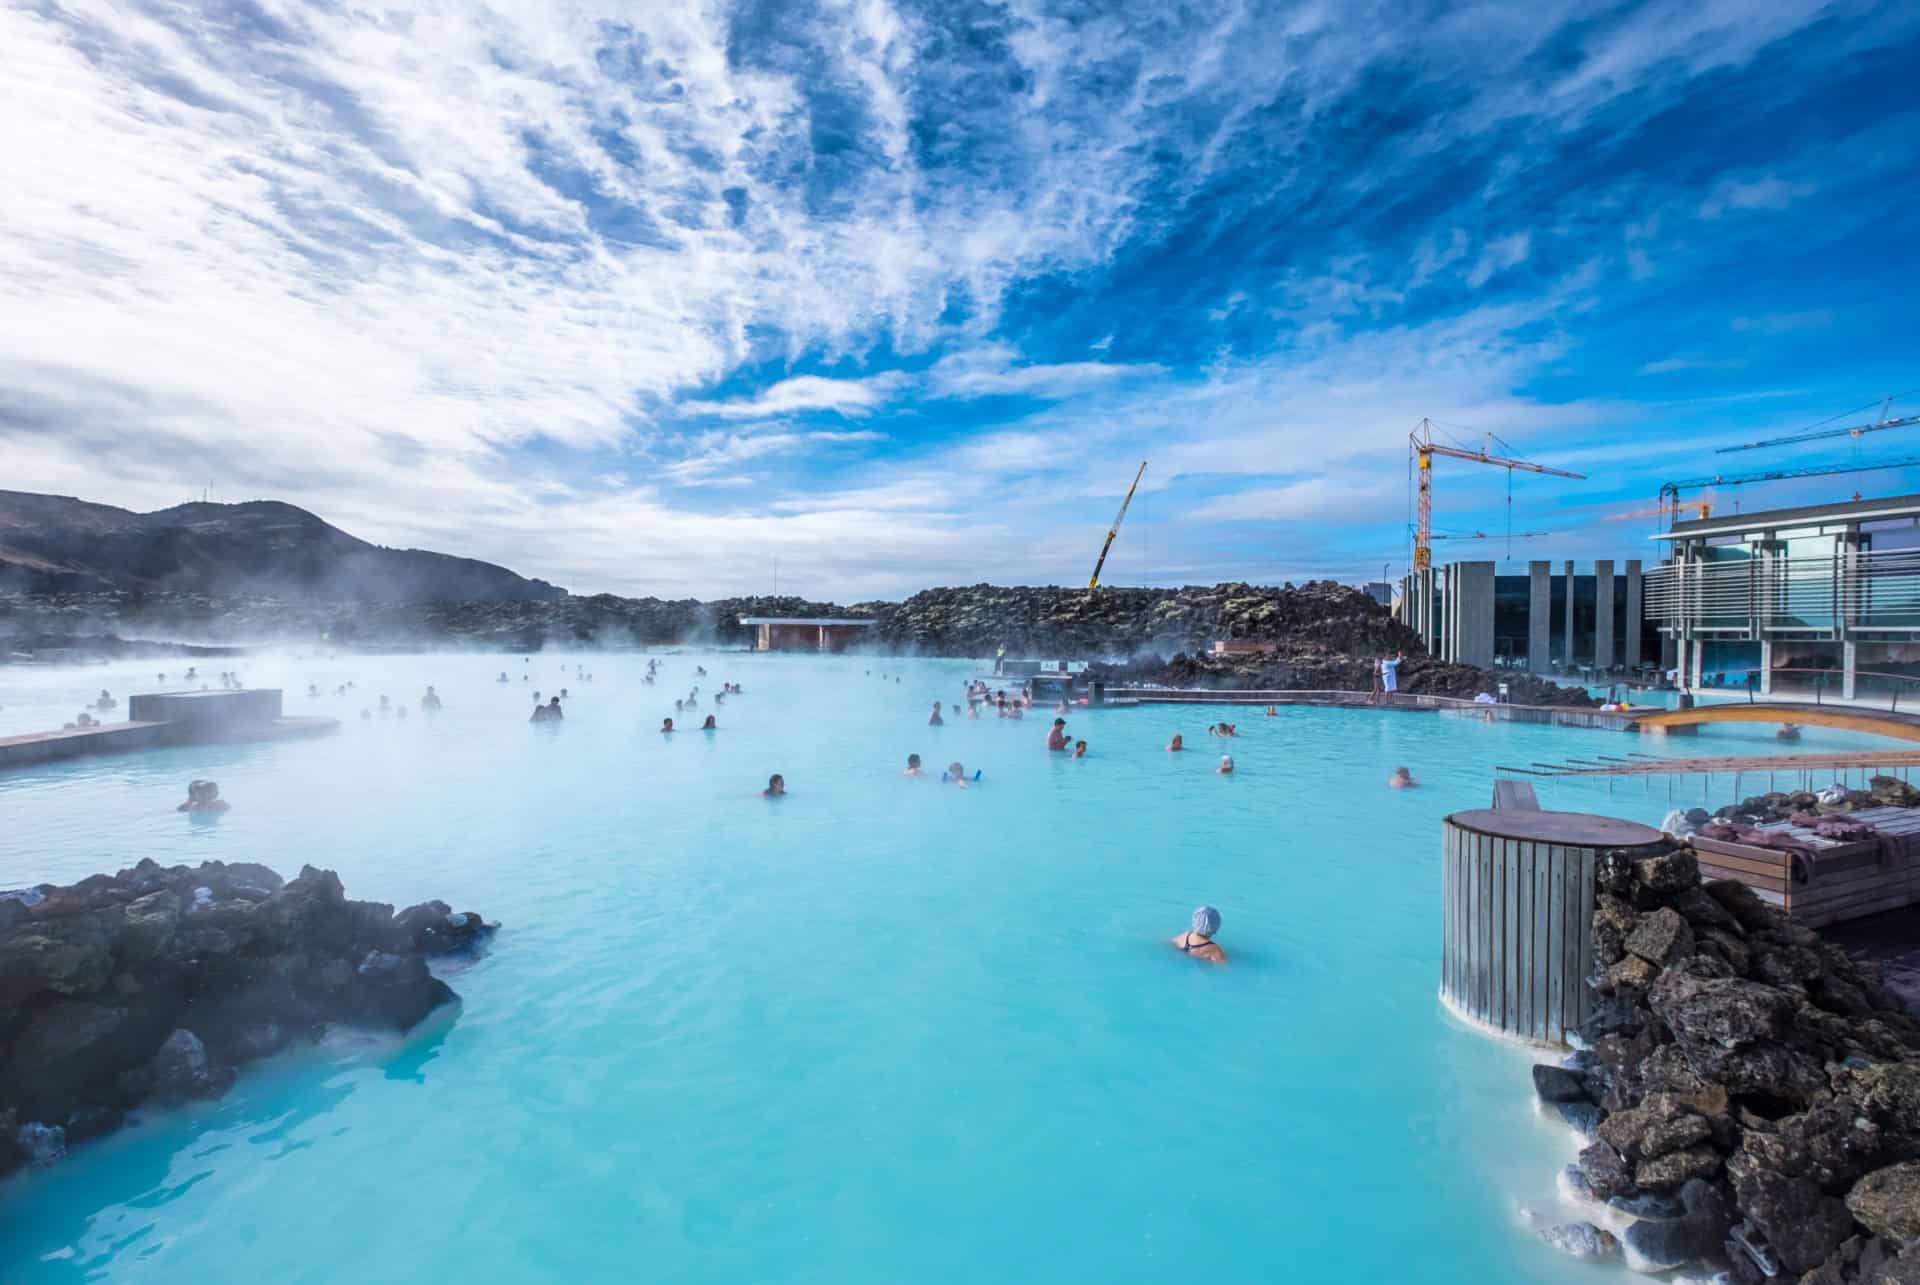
[(1390, 675)]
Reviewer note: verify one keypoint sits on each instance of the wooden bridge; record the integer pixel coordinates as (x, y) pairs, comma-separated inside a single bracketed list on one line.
[(1873, 722)]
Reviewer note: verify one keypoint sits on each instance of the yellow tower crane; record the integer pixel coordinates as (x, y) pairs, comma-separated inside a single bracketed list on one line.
[(1420, 442)]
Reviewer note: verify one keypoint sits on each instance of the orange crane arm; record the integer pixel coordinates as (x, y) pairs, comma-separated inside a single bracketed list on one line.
[(1481, 457)]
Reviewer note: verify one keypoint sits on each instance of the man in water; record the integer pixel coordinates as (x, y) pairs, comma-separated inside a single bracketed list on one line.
[(956, 775), (776, 787), (913, 765), (1226, 765), (709, 725), (1401, 779), (431, 701), (936, 720), (1176, 744), (203, 796), (1198, 942), (547, 713), (666, 725), (1057, 737), (1221, 729)]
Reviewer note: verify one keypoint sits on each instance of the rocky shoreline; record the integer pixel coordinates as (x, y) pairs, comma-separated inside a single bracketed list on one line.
[(1750, 1094), (154, 985), (1315, 635)]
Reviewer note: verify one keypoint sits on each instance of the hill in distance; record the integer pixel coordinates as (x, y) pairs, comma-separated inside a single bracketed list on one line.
[(59, 544)]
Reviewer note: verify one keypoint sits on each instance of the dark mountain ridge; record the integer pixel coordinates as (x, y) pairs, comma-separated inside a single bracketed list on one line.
[(59, 544)]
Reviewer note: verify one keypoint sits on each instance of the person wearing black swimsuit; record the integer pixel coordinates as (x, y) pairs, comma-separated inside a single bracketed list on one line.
[(1198, 941)]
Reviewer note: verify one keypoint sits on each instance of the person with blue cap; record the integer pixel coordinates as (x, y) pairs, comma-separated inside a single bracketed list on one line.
[(1198, 941)]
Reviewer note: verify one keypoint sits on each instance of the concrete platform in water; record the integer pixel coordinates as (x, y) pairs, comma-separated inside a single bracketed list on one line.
[(160, 719)]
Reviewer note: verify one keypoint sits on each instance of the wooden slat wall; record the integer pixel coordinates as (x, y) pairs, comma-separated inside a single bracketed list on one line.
[(1517, 942)]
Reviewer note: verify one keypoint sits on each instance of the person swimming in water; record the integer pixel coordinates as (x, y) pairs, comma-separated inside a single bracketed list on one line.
[(1079, 749), (431, 701), (1198, 940), (203, 796), (699, 671), (502, 678), (666, 725), (956, 775), (776, 787), (913, 765), (1226, 765), (1272, 712), (106, 700), (1057, 735), (1788, 732), (1176, 744), (1401, 779), (679, 707), (709, 725), (1221, 729), (935, 720)]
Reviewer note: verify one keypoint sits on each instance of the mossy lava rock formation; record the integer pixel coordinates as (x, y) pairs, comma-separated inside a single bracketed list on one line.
[(155, 984), (1750, 1093)]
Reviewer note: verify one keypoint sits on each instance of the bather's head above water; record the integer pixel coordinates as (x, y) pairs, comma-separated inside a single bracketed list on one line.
[(913, 765), (1198, 941), (1226, 765), (776, 786), (203, 796), (1401, 779), (666, 725)]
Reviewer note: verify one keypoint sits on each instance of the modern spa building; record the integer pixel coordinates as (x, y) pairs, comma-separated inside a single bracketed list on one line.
[(1827, 594), (1555, 619)]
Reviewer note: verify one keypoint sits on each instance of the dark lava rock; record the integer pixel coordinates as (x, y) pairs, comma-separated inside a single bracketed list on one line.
[(1887, 1201), (1801, 1224), (1582, 1240), (1669, 872), (1657, 1126), (159, 981), (1583, 1117), (1659, 938), (1662, 1206), (1555, 1084), (1725, 1013), (1677, 1167), (1659, 1246), (1605, 1171)]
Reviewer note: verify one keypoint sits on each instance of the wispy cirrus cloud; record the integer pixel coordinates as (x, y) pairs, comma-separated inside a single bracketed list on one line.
[(870, 283)]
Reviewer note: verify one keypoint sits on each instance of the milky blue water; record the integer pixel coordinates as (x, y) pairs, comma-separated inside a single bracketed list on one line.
[(878, 1031)]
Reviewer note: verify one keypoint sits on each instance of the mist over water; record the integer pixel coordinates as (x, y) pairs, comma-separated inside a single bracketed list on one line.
[(880, 1030)]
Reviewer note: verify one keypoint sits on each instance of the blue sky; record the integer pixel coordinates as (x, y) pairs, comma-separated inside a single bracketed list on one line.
[(649, 298)]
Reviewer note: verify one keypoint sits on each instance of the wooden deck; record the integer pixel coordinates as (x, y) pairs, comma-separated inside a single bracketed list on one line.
[(1843, 880)]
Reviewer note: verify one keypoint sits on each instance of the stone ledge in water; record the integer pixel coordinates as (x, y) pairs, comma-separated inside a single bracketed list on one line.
[(156, 983)]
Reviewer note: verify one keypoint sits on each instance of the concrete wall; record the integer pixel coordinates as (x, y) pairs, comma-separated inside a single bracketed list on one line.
[(208, 711), (1630, 653), (1539, 615), (1470, 611), (1603, 614)]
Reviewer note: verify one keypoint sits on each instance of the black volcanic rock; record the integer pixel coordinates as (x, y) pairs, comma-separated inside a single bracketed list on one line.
[(158, 982)]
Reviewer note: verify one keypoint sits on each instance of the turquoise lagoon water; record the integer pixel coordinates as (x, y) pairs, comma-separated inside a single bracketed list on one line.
[(879, 1031)]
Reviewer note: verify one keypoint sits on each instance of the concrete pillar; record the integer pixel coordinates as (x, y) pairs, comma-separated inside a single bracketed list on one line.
[(1636, 608), (1603, 615), (1423, 609), (1470, 592), (1569, 634), (1539, 616), (1699, 653), (1766, 667), (1849, 667)]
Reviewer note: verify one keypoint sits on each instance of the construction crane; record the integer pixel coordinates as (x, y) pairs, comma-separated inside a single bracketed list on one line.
[(1482, 535), (1670, 491), (1114, 530), (1424, 448), (1880, 425)]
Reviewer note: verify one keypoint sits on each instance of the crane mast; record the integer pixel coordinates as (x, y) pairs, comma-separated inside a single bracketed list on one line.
[(1114, 530)]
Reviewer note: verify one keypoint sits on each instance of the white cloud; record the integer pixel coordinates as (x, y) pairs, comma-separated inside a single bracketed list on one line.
[(993, 370), (1673, 365), (807, 393), (1782, 323), (1768, 192), (1499, 255)]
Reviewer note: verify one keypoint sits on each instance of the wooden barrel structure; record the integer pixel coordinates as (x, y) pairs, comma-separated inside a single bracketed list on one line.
[(1517, 892)]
